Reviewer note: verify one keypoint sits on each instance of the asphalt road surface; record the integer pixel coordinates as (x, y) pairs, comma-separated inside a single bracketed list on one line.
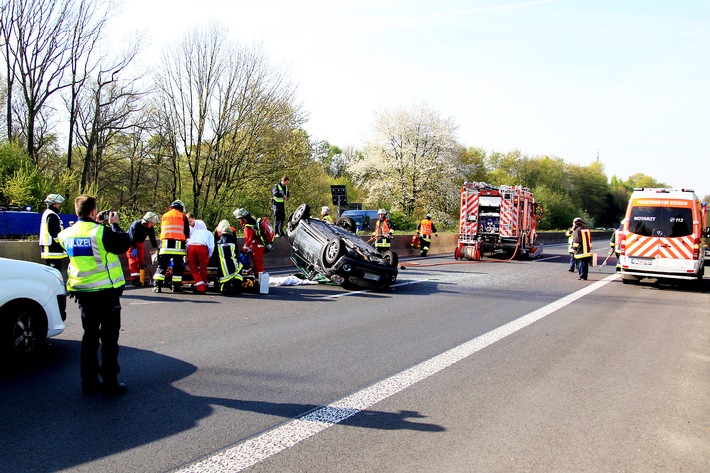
[(460, 367)]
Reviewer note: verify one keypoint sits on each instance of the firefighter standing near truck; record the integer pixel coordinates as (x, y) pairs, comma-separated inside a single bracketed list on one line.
[(174, 229), (425, 228), (384, 232), (570, 249), (615, 242), (582, 244), (138, 232), (52, 252)]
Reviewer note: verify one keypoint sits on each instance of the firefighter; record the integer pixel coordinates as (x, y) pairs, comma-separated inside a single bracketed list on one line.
[(252, 243), (174, 229), (279, 197), (384, 232), (614, 243), (570, 249), (52, 252), (425, 228), (138, 232), (230, 269), (325, 214), (582, 244), (96, 280)]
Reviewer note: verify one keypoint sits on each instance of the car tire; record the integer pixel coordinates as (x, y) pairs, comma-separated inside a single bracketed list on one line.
[(332, 251), (346, 223), (22, 330), (301, 212), (391, 258)]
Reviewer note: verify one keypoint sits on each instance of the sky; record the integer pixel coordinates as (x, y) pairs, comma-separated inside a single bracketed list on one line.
[(625, 82)]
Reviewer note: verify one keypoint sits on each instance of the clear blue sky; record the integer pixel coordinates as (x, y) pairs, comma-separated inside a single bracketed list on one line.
[(627, 80)]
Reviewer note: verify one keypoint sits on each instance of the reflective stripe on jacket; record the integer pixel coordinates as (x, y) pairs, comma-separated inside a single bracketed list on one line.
[(230, 268), (91, 267), (172, 226), (283, 190), (583, 244), (51, 249), (570, 240)]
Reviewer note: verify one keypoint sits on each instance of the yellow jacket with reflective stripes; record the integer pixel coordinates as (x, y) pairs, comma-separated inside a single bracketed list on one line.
[(91, 267)]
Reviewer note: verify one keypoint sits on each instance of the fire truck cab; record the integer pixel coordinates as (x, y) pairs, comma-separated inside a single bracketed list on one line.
[(497, 218), (663, 235)]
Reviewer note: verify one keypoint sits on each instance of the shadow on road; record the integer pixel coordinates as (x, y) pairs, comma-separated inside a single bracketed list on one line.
[(47, 424)]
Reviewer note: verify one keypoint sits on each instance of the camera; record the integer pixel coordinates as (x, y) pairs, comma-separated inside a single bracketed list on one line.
[(104, 215)]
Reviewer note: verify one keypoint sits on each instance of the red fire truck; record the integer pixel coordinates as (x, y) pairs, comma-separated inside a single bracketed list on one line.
[(497, 219)]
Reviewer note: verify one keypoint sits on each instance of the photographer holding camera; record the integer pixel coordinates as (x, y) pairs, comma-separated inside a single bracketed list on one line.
[(96, 280)]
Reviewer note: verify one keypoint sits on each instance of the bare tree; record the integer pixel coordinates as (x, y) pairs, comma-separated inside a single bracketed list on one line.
[(227, 114), (108, 107), (86, 25)]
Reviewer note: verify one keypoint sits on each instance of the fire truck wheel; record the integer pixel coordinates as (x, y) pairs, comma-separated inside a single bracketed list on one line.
[(457, 253), (478, 254)]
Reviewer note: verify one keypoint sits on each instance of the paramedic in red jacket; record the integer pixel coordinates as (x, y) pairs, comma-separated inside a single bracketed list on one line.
[(252, 243), (138, 232)]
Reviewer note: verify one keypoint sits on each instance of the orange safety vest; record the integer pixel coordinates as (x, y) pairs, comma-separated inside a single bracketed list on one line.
[(382, 227), (172, 226), (425, 227)]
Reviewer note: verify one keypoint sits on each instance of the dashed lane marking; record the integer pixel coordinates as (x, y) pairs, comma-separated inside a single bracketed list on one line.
[(262, 446)]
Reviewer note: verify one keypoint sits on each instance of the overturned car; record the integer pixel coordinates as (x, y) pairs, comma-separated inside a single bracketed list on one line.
[(319, 248)]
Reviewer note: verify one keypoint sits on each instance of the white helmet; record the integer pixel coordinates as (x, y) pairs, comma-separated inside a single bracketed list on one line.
[(54, 199), (241, 213), (151, 217), (325, 210), (382, 211), (224, 227)]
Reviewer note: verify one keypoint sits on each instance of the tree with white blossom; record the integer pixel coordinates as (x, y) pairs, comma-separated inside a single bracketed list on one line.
[(410, 161)]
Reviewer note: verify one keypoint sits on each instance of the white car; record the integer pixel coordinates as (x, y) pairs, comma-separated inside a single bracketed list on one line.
[(33, 305)]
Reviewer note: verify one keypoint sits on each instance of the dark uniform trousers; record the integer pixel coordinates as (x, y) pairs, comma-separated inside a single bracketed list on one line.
[(101, 320)]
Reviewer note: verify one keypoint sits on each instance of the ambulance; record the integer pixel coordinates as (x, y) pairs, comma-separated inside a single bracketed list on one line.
[(663, 235)]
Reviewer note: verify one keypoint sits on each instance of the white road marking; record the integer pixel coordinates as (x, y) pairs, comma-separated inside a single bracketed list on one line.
[(271, 442), (352, 293), (545, 259)]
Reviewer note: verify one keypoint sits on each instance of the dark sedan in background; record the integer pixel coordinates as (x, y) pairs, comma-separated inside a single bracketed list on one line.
[(319, 248)]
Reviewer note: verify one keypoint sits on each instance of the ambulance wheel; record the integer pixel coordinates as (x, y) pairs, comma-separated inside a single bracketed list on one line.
[(332, 251), (391, 258), (301, 212)]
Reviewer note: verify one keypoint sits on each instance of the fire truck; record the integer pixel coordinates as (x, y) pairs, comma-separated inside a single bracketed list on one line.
[(497, 219)]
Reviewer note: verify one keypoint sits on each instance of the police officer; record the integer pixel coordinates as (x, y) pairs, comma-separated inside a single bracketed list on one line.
[(325, 214), (96, 280), (52, 252), (174, 230), (279, 197)]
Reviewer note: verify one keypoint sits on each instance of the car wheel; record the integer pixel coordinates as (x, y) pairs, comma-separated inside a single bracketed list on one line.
[(301, 212), (391, 258), (22, 331), (332, 251), (347, 223)]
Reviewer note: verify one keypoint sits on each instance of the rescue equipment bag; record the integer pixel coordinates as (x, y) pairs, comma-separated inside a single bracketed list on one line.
[(264, 230)]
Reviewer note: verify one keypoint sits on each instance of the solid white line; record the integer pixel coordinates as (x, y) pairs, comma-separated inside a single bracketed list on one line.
[(353, 293), (263, 446)]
